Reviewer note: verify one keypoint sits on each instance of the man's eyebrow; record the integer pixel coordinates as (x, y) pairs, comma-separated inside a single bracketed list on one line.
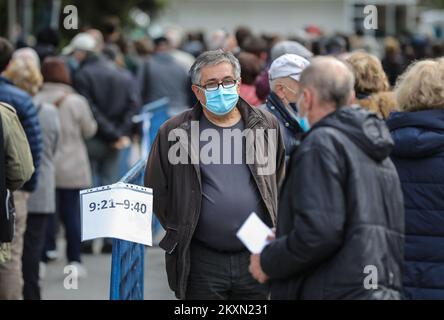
[(216, 80), (212, 80)]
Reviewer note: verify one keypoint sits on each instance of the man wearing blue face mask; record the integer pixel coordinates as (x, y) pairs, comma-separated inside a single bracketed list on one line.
[(284, 75), (202, 204)]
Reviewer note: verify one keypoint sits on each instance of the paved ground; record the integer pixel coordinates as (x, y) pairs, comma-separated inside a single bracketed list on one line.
[(96, 285)]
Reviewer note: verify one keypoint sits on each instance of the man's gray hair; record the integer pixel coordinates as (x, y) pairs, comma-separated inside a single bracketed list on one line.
[(212, 58), (332, 79)]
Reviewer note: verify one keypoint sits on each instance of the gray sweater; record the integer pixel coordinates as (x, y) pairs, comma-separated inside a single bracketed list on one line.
[(42, 200)]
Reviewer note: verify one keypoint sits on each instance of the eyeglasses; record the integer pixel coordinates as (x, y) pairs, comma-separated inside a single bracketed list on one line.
[(213, 86)]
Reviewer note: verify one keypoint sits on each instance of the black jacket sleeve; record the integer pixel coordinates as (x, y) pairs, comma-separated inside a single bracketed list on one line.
[(156, 177), (133, 104), (312, 215), (105, 128)]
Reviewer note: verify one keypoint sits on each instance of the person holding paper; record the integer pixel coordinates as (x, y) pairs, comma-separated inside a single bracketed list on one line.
[(340, 231), (203, 197)]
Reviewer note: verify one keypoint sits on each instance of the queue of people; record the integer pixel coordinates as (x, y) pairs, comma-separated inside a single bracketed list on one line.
[(336, 150), (357, 215)]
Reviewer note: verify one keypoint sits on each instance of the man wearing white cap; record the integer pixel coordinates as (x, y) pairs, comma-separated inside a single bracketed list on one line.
[(78, 49), (284, 74)]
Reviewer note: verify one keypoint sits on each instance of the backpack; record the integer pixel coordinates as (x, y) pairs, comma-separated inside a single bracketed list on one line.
[(7, 209)]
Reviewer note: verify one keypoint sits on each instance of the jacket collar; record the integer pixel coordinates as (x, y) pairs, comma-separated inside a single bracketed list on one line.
[(55, 86), (4, 80), (276, 107)]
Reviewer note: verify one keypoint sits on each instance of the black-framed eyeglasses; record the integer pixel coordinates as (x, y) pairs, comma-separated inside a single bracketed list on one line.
[(213, 86)]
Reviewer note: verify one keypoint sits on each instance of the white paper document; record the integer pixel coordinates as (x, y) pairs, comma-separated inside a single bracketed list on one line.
[(121, 211), (253, 234)]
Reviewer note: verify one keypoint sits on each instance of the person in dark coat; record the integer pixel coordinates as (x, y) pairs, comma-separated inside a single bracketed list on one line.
[(340, 229), (114, 98), (284, 75), (418, 132)]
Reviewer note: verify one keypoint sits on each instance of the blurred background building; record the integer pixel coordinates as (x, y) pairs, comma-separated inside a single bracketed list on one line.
[(287, 16), (19, 18)]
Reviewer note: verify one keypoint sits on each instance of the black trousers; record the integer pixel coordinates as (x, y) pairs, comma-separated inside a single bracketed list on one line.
[(218, 275), (34, 241)]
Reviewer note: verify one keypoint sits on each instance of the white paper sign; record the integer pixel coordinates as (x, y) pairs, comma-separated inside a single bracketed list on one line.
[(253, 234), (123, 211)]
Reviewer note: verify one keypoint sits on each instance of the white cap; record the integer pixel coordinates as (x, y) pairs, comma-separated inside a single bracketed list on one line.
[(82, 41), (288, 65), (292, 47)]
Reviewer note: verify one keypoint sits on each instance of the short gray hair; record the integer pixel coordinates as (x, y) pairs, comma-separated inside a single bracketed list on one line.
[(212, 58), (332, 79)]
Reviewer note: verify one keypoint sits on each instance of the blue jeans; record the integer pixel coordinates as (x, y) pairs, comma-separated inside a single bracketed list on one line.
[(50, 236), (68, 208), (218, 275)]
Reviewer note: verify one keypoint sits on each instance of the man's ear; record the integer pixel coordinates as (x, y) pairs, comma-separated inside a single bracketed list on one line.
[(238, 84), (195, 89), (352, 99), (279, 90), (198, 92), (308, 98)]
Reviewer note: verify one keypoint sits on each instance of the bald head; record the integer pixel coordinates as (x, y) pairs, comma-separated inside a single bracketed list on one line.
[(331, 79)]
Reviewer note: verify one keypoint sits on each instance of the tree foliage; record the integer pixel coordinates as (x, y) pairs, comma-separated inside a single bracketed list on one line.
[(93, 13), (433, 3)]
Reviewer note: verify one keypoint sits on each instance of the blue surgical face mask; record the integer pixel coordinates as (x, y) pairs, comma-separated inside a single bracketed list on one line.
[(303, 121), (221, 101)]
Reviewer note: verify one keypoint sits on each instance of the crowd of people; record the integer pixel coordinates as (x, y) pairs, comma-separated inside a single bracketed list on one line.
[(354, 137)]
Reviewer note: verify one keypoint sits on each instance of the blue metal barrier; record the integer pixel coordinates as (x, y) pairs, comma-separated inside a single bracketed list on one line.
[(152, 116), (127, 280), (128, 257)]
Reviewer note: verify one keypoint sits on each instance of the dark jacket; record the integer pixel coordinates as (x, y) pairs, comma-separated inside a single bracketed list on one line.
[(419, 158), (290, 128), (162, 76), (177, 188), (112, 94), (340, 212), (27, 114)]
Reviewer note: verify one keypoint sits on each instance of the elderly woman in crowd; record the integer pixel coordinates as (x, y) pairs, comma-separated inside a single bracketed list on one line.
[(72, 166), (371, 84), (418, 133), (24, 72)]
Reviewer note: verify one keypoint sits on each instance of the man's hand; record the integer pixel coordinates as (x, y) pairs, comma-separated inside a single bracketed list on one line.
[(272, 237), (256, 269), (122, 143)]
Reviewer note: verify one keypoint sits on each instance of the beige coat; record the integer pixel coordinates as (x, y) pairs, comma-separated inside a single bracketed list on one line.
[(73, 170)]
